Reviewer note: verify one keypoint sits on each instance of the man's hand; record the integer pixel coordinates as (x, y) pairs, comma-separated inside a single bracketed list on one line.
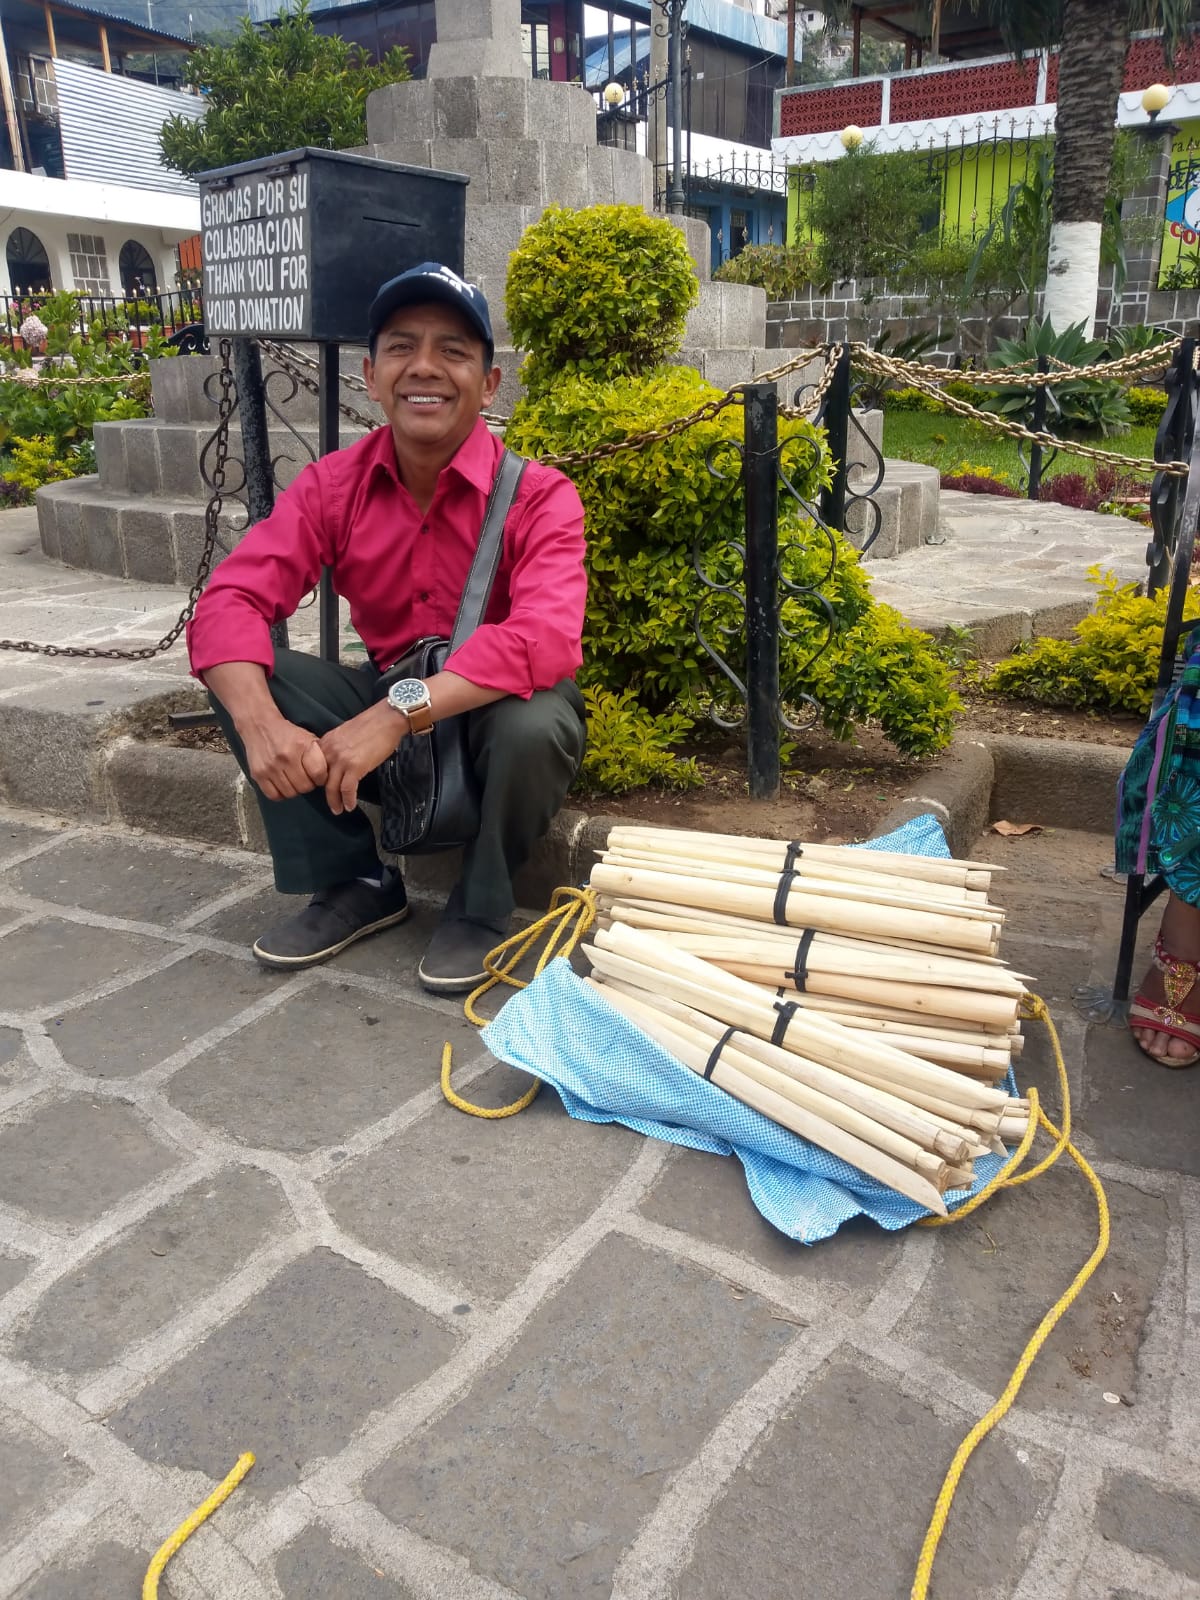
[(356, 748), (284, 760)]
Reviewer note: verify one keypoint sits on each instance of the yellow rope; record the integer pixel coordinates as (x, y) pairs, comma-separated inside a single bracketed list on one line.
[(187, 1528), (571, 914), (1008, 1177)]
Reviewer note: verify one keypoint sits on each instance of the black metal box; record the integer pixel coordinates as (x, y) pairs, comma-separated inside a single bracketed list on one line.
[(294, 246)]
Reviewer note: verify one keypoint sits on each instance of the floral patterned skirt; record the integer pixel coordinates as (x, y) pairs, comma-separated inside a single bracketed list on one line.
[(1158, 797)]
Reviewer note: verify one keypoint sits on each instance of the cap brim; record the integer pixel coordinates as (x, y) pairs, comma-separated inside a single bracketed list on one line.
[(422, 292)]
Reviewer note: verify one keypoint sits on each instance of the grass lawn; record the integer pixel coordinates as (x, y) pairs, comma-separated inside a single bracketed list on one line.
[(946, 442)]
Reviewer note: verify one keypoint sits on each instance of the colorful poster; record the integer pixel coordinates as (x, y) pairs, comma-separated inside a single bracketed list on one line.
[(1179, 265)]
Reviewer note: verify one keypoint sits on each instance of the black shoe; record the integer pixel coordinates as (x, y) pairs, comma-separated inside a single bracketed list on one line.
[(453, 963), (333, 919)]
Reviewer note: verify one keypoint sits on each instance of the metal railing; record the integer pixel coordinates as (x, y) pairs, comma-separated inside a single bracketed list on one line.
[(169, 311)]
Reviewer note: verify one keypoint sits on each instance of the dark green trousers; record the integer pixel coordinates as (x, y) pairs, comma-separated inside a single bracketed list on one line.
[(526, 755)]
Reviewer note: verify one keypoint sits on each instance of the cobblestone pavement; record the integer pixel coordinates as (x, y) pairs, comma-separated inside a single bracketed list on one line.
[(532, 1358)]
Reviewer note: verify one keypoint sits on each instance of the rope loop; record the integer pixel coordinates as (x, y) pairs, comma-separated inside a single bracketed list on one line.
[(1007, 1178), (572, 912)]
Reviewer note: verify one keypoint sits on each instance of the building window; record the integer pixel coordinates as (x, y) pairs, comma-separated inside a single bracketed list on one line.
[(138, 276), (28, 263), (535, 47), (89, 262)]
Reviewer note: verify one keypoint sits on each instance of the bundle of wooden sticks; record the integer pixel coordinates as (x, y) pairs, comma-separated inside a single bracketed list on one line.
[(853, 996)]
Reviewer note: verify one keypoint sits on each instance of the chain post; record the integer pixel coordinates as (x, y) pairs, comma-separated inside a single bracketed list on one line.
[(1176, 433), (256, 446), (760, 466), (836, 418), (1040, 399), (328, 392)]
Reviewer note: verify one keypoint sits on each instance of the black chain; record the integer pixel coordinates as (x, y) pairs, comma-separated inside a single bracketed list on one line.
[(212, 514)]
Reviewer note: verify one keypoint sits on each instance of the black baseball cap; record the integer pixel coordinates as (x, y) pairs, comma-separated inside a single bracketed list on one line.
[(431, 281)]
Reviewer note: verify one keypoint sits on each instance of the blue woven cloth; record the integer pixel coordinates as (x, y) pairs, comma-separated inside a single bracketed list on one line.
[(606, 1070)]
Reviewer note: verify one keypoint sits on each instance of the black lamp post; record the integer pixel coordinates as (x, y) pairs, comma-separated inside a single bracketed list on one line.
[(671, 24)]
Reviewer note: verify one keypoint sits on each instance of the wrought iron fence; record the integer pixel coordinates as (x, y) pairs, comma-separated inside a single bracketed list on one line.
[(170, 311), (970, 179)]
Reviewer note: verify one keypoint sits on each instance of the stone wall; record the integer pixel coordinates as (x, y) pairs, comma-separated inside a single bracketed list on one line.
[(863, 310)]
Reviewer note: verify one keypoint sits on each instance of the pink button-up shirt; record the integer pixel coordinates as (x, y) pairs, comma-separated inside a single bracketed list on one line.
[(403, 571)]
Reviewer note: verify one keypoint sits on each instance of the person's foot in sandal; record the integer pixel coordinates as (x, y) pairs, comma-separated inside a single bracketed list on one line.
[(1164, 1016)]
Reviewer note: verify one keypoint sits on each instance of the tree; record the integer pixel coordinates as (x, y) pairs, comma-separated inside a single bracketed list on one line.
[(1094, 36), (273, 89)]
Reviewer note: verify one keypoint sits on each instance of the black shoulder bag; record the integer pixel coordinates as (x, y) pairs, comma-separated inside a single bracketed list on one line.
[(428, 792)]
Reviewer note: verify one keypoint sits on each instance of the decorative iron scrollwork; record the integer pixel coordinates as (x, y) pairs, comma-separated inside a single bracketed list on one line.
[(235, 489), (722, 606)]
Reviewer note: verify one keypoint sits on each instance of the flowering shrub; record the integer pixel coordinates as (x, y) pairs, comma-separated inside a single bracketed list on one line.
[(34, 332)]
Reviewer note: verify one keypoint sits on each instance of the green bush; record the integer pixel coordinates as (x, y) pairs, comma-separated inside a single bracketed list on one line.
[(786, 272), (1111, 664), (963, 389), (628, 747), (911, 400), (867, 209), (57, 408), (602, 292), (29, 463), (918, 400), (1146, 406), (646, 509)]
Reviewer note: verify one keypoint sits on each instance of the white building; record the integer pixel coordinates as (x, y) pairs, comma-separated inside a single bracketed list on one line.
[(85, 202)]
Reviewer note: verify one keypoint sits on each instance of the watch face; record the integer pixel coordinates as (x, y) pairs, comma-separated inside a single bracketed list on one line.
[(408, 692)]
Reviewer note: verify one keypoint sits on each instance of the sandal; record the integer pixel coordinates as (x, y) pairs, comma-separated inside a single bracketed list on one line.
[(1179, 979)]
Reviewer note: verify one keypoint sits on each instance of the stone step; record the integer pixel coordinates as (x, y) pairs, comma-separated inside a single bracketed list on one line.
[(164, 459), (699, 242), (187, 388), (154, 539), (728, 316), (908, 505)]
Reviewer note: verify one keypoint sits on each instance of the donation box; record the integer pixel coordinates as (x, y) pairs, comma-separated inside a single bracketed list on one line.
[(295, 245)]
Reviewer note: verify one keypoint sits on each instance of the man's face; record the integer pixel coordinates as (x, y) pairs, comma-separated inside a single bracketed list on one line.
[(429, 376)]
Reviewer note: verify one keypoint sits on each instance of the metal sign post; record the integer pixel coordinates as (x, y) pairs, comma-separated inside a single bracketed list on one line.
[(294, 247)]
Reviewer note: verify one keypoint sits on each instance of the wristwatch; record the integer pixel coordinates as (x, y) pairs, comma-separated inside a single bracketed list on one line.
[(411, 696)]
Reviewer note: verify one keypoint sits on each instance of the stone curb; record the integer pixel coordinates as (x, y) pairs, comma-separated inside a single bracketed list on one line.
[(200, 795)]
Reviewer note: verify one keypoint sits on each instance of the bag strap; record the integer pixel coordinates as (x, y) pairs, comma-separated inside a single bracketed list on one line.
[(486, 561)]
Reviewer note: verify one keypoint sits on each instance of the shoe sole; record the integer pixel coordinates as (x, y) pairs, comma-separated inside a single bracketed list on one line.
[(267, 959), (450, 985)]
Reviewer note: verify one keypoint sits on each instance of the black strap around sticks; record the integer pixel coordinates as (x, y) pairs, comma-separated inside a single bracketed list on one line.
[(787, 1009), (787, 877), (800, 968), (711, 1064)]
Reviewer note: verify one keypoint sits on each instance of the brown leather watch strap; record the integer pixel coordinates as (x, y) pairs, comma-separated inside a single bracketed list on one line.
[(420, 719)]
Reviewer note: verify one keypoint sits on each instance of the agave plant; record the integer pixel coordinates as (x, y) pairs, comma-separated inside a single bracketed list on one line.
[(1083, 405)]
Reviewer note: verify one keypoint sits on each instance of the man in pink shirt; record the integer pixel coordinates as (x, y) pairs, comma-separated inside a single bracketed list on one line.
[(396, 517)]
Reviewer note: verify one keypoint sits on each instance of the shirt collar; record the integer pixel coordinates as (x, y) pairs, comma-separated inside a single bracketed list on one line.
[(474, 460)]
